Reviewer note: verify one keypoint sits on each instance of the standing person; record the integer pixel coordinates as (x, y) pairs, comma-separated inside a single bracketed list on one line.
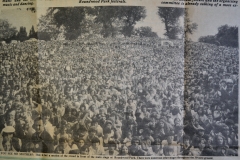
[(46, 121), (128, 124), (62, 133), (41, 138), (157, 146), (220, 145), (186, 147), (146, 141), (171, 146), (2, 119), (108, 132)]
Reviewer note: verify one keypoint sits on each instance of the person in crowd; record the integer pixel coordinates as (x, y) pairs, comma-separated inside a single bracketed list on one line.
[(146, 141), (171, 147), (9, 141), (7, 145), (123, 151), (63, 147), (96, 148), (78, 146), (112, 148), (135, 149), (42, 140), (46, 121)]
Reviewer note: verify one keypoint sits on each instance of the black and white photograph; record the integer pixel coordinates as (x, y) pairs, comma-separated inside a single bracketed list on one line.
[(119, 81)]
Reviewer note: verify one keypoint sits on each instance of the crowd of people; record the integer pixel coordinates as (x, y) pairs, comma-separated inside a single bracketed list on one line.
[(119, 97)]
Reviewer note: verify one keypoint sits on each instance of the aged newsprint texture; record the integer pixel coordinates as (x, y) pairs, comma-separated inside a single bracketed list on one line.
[(119, 79)]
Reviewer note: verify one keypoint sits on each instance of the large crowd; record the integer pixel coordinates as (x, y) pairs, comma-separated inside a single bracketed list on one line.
[(120, 97)]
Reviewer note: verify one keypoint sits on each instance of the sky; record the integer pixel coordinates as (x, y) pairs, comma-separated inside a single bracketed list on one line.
[(24, 18), (208, 21), (153, 20)]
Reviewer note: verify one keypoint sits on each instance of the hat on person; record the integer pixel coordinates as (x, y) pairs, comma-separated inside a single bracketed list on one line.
[(8, 129)]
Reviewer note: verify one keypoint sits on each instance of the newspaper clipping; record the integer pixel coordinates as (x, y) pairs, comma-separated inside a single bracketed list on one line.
[(119, 79)]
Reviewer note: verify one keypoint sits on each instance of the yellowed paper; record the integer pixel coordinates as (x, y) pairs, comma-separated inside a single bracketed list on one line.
[(119, 79)]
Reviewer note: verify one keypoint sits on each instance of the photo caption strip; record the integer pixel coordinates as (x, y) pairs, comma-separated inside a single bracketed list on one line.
[(73, 156), (205, 3)]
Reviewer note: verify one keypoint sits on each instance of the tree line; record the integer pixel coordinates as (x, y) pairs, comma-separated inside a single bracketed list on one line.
[(74, 22), (226, 36), (9, 32), (108, 21), (112, 21)]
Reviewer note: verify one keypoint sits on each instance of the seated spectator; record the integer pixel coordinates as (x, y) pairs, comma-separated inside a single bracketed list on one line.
[(123, 151), (9, 140), (112, 146), (135, 149), (95, 148)]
